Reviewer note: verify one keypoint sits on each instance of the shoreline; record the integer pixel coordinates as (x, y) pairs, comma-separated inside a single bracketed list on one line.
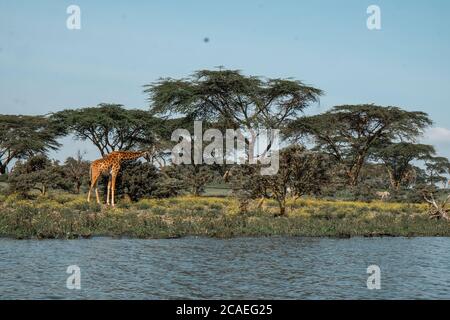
[(189, 237), (71, 217)]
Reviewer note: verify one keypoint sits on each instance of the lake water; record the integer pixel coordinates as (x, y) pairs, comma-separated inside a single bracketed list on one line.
[(242, 268)]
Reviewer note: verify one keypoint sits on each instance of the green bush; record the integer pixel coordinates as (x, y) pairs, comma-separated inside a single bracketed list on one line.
[(138, 180), (37, 173)]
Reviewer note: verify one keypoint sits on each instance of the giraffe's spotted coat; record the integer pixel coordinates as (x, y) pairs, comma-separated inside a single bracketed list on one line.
[(110, 164)]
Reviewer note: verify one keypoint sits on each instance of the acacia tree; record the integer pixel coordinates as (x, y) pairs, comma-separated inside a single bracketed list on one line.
[(232, 99), (301, 172), (437, 168), (397, 158), (110, 127), (348, 132), (24, 136)]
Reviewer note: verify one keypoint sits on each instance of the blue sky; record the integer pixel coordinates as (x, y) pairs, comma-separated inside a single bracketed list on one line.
[(123, 45)]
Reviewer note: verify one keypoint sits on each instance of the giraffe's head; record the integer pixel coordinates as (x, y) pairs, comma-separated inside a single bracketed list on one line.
[(148, 152)]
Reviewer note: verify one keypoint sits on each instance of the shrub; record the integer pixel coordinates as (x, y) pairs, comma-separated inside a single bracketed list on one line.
[(37, 173), (136, 180)]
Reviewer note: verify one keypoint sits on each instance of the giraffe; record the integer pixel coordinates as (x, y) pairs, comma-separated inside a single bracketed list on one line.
[(110, 164)]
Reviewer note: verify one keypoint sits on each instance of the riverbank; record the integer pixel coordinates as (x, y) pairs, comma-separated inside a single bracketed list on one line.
[(68, 217)]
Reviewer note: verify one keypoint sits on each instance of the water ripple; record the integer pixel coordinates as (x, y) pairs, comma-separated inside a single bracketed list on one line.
[(242, 268)]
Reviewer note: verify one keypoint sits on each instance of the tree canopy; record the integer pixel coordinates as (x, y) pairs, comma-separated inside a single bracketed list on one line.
[(23, 136), (348, 132), (110, 127), (397, 158), (437, 168), (232, 100), (242, 101)]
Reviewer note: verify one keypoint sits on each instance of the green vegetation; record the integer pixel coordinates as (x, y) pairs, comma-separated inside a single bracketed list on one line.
[(356, 154), (23, 136), (108, 126), (66, 216), (350, 132)]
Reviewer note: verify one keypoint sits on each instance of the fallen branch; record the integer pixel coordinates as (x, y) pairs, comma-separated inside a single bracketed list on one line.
[(437, 210)]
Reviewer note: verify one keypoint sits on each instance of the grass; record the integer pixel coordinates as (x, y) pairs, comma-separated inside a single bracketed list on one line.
[(217, 190), (66, 216)]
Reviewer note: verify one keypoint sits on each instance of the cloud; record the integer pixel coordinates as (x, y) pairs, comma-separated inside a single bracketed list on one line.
[(438, 135), (440, 138)]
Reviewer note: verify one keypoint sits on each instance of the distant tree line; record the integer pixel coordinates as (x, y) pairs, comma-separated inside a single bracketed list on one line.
[(353, 150)]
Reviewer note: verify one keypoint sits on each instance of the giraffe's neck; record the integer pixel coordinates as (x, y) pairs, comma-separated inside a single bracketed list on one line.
[(131, 155)]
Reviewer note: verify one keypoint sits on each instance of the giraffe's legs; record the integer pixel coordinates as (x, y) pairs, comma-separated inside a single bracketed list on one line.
[(109, 191), (94, 180), (113, 187), (96, 194), (89, 193)]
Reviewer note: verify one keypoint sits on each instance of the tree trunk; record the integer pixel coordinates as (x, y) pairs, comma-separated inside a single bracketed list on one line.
[(396, 185), (251, 151), (282, 205), (354, 172), (352, 178), (196, 191)]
